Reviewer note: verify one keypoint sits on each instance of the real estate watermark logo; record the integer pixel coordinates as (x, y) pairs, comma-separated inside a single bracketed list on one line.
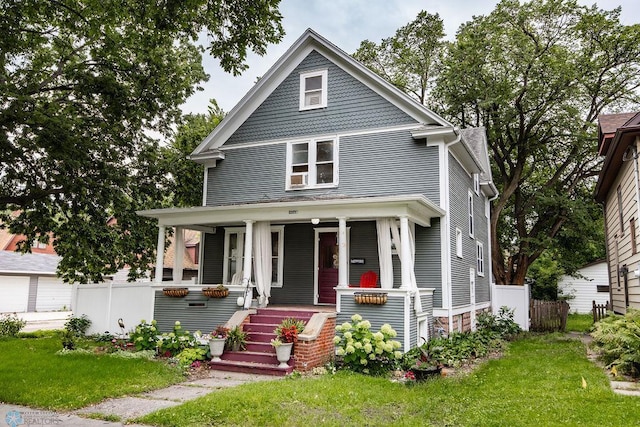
[(31, 418)]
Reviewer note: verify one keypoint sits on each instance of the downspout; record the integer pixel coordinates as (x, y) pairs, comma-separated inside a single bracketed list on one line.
[(456, 131)]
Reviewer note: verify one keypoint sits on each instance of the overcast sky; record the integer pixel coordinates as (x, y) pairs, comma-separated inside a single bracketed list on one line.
[(346, 23)]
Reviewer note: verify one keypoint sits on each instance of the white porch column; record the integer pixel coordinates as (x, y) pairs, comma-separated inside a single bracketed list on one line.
[(178, 254), (160, 254), (248, 249), (405, 253), (343, 280)]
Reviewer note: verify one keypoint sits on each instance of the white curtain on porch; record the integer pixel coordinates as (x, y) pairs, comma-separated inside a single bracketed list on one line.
[(383, 227), (262, 259), (395, 233)]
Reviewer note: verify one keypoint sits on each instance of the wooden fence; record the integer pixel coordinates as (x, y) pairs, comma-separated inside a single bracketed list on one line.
[(548, 316), (600, 311)]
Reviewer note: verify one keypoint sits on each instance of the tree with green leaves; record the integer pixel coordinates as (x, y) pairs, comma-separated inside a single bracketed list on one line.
[(410, 59), (82, 84), (186, 175), (536, 75)]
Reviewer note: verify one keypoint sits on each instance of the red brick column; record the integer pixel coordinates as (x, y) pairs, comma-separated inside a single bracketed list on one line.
[(315, 348)]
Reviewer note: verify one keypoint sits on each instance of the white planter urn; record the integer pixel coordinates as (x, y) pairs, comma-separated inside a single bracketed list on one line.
[(216, 345), (283, 353)]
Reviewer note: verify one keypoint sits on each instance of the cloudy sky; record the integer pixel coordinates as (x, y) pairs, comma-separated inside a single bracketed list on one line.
[(346, 23)]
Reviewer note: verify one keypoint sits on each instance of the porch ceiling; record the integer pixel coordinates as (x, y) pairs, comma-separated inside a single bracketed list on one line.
[(416, 207)]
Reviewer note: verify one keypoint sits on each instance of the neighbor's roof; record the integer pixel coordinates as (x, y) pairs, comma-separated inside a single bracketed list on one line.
[(613, 143), (191, 238), (308, 42), (17, 263)]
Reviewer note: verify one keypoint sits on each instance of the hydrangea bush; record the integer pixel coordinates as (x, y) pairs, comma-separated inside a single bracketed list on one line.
[(145, 336), (361, 350), (172, 343)]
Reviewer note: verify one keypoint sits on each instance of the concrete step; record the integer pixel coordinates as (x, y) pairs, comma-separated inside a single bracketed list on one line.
[(251, 368), (259, 327), (260, 347), (250, 356)]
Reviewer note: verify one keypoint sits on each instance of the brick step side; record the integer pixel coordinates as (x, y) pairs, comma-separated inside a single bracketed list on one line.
[(250, 356), (251, 368)]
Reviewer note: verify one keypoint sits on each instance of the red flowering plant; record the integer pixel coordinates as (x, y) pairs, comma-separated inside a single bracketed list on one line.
[(220, 332), (288, 330)]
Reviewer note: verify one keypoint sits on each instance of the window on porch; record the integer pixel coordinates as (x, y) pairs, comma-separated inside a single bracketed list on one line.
[(234, 254)]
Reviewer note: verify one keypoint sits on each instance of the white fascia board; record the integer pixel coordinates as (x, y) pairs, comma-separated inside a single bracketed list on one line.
[(207, 158), (418, 208)]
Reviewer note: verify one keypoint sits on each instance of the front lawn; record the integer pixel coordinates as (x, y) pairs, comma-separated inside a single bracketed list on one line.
[(538, 382), (32, 374)]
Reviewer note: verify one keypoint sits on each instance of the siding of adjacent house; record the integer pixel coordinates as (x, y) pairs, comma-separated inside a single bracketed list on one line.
[(460, 182), (619, 250), (585, 289), (351, 105)]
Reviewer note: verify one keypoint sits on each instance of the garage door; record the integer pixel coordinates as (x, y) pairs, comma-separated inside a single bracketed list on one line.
[(14, 294), (53, 294)]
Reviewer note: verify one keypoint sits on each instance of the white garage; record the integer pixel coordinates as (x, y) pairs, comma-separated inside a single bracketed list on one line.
[(28, 283)]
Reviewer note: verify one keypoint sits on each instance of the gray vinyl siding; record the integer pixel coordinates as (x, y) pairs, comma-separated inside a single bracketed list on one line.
[(216, 311), (459, 184), (428, 264), (212, 262), (392, 313), (350, 105), (380, 164)]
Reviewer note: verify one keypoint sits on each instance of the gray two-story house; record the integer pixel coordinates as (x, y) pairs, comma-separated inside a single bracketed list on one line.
[(323, 172)]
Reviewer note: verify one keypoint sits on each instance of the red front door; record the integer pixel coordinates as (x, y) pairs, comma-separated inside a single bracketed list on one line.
[(327, 267)]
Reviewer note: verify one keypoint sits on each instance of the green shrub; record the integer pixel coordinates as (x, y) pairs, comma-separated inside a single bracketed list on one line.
[(11, 324), (190, 355), (617, 338), (145, 336), (78, 325), (360, 350), (501, 324), (170, 344)]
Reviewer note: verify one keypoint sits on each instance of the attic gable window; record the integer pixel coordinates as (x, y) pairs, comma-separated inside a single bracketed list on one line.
[(312, 164), (313, 90)]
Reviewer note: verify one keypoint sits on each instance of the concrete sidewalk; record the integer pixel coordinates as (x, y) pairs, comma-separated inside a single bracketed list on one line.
[(129, 407), (45, 320)]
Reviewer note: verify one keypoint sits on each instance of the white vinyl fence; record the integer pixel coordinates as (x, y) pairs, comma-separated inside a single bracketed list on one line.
[(105, 303), (516, 298)]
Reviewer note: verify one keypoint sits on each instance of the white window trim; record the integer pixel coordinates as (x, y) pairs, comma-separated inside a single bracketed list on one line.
[(226, 276), (311, 161), (480, 258), (458, 242), (323, 93), (470, 222), (476, 183)]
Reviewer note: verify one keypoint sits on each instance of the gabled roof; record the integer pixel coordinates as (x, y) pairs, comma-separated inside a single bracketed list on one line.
[(308, 42), (476, 140), (613, 144), (17, 263)]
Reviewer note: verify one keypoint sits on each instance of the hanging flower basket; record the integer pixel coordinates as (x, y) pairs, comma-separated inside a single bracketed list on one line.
[(176, 292), (215, 292), (366, 298)]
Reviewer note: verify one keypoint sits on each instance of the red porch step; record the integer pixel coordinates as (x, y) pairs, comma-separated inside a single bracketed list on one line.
[(260, 356)]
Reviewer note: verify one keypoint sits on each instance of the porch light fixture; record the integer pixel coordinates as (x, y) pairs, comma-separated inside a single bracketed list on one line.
[(315, 221)]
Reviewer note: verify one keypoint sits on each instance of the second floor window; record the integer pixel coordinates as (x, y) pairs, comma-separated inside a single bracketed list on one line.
[(312, 164)]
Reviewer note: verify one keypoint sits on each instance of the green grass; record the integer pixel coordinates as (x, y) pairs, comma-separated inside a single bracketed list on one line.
[(579, 322), (32, 374), (539, 382)]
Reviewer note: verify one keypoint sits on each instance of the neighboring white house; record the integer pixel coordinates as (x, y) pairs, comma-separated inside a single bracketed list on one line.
[(593, 286), (28, 283)]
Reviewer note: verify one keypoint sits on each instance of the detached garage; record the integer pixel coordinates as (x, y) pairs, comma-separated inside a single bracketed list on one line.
[(28, 282)]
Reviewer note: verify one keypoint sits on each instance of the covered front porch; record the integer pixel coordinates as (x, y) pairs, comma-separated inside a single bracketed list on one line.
[(305, 252)]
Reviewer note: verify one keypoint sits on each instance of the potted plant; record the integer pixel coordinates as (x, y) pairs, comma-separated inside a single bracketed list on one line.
[(236, 339), (286, 335), (217, 342), (420, 365)]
